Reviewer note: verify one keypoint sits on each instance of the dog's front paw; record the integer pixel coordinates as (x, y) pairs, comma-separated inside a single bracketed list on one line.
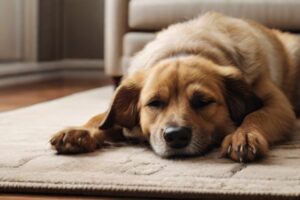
[(244, 145), (73, 140)]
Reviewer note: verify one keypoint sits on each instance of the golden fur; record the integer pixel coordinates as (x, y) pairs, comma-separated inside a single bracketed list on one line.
[(240, 71)]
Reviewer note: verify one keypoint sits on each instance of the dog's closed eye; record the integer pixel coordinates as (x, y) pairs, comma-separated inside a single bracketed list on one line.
[(156, 103), (199, 101)]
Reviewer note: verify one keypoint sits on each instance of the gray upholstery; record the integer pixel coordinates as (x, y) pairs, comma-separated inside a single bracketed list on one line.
[(158, 14), (130, 24)]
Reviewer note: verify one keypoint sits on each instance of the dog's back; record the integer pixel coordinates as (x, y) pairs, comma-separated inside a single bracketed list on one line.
[(251, 47)]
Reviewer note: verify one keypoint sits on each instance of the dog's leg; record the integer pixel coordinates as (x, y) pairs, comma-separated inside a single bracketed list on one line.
[(84, 138), (259, 129)]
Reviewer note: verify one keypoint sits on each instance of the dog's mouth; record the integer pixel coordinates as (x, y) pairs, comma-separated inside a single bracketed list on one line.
[(197, 146), (178, 153), (186, 152)]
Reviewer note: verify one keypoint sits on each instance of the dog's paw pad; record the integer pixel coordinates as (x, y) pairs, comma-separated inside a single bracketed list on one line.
[(73, 140)]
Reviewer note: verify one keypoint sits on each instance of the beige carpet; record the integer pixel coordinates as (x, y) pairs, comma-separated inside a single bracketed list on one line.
[(27, 164)]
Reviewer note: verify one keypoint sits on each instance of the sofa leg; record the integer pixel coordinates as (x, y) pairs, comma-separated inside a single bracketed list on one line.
[(116, 80)]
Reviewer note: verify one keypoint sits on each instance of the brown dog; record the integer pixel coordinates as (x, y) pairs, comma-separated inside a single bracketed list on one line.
[(211, 80)]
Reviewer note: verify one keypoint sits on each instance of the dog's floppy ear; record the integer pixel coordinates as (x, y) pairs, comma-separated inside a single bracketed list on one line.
[(239, 96), (123, 110)]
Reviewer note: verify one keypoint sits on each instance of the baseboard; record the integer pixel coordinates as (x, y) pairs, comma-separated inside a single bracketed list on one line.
[(20, 73)]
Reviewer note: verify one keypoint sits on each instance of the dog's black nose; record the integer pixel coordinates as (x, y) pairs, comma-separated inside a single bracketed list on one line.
[(178, 137)]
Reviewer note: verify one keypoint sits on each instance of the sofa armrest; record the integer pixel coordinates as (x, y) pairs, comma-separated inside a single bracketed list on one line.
[(116, 25)]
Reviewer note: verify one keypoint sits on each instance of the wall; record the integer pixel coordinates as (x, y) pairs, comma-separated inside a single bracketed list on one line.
[(83, 28), (70, 29), (10, 36)]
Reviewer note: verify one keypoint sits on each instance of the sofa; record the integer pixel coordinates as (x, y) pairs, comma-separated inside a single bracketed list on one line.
[(130, 24)]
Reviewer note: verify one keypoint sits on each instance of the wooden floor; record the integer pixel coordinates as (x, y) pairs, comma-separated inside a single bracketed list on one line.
[(24, 95), (54, 197)]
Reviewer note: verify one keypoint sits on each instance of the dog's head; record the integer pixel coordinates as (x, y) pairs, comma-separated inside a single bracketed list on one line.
[(182, 105)]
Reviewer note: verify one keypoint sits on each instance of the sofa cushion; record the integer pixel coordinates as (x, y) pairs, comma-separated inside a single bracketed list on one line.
[(158, 14), (133, 42)]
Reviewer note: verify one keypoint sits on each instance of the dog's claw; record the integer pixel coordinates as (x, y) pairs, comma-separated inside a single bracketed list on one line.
[(52, 141), (229, 150), (253, 150), (242, 149), (64, 138), (79, 140), (241, 159)]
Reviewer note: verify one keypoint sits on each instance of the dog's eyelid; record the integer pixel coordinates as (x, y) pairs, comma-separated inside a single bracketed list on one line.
[(203, 96), (200, 100), (155, 103)]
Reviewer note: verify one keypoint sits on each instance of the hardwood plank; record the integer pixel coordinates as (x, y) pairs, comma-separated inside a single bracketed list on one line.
[(24, 95), (52, 197)]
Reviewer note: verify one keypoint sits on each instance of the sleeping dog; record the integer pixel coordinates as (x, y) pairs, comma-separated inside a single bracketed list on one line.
[(208, 81)]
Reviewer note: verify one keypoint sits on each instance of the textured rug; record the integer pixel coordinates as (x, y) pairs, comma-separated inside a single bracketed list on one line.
[(27, 164)]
